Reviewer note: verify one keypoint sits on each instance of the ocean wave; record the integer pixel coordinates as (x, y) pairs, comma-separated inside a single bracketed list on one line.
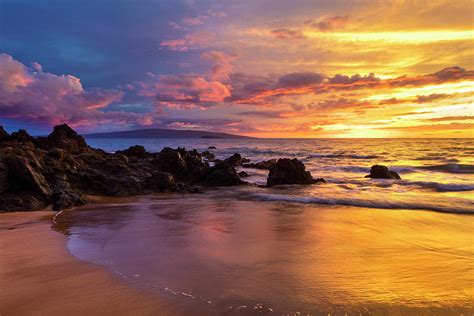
[(442, 187), (437, 186), (450, 168), (341, 155), (385, 204)]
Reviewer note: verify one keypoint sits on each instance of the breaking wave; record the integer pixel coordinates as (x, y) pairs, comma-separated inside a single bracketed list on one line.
[(381, 204)]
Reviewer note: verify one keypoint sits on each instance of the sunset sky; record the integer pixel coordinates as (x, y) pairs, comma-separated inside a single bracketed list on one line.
[(265, 68)]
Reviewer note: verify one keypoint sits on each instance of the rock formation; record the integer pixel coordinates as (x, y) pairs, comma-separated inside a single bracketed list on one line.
[(382, 172), (290, 171)]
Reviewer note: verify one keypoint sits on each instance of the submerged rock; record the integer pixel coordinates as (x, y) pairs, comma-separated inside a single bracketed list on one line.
[(382, 172), (290, 171)]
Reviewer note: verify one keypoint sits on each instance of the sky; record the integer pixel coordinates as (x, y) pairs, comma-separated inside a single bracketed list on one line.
[(264, 68)]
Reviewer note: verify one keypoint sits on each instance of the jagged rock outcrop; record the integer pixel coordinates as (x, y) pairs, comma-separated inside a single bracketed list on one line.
[(243, 174), (160, 182), (134, 151), (222, 174), (382, 172), (66, 138), (3, 134), (234, 160), (62, 170), (20, 137), (290, 171), (208, 156)]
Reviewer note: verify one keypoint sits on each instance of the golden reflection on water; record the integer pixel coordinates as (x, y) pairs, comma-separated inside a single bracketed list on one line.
[(400, 257), (290, 256)]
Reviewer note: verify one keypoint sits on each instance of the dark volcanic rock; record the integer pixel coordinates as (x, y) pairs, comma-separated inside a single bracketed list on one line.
[(266, 165), (3, 134), (222, 174), (234, 160), (24, 201), (21, 137), (64, 196), (66, 138), (160, 181), (4, 178), (243, 174), (134, 151), (61, 170), (290, 171), (170, 160), (25, 177), (183, 165), (208, 155), (382, 172)]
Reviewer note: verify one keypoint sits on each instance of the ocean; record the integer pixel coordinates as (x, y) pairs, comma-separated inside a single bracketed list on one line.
[(437, 174), (351, 246)]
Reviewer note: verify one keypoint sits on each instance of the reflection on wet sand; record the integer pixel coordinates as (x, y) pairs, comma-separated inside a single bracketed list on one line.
[(288, 257)]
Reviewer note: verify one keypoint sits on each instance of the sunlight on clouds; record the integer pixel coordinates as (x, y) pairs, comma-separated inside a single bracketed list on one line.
[(448, 88), (411, 37)]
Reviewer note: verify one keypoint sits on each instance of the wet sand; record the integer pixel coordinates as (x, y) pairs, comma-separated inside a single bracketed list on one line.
[(38, 276), (224, 250)]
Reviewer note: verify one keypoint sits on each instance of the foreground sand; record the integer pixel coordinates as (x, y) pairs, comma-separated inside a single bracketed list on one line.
[(38, 276)]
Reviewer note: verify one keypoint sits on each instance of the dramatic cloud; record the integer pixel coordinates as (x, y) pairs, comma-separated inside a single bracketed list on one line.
[(430, 98), (30, 93), (299, 79), (185, 91), (344, 79), (222, 65)]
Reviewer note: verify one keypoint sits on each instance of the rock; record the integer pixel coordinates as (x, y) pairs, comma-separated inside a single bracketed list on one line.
[(186, 188), (64, 196), (21, 137), (222, 175), (243, 174), (211, 147), (160, 181), (170, 160), (267, 165), (66, 138), (57, 153), (382, 172), (26, 177), (208, 155), (289, 171), (22, 201), (3, 134), (4, 178), (234, 160), (134, 151)]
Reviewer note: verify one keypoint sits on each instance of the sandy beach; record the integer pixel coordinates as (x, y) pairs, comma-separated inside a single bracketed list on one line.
[(40, 277)]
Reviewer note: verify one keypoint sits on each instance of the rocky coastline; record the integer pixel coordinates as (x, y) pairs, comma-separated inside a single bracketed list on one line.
[(62, 170)]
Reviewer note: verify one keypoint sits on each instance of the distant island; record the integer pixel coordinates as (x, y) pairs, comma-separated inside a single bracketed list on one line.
[(163, 133)]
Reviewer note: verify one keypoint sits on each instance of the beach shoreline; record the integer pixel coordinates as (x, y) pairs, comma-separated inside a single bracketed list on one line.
[(43, 278)]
